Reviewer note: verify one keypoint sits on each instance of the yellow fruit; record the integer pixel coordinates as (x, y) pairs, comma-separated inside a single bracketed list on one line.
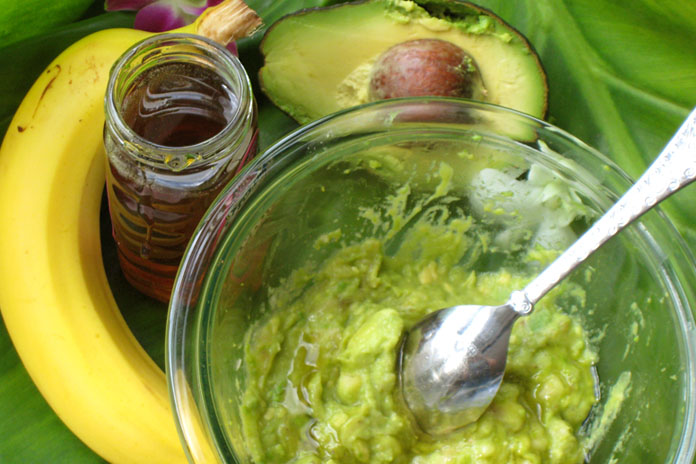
[(54, 295)]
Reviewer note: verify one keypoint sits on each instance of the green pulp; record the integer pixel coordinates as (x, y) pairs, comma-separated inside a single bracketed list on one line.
[(320, 367)]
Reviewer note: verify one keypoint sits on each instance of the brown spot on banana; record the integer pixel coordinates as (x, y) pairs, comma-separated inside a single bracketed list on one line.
[(48, 86)]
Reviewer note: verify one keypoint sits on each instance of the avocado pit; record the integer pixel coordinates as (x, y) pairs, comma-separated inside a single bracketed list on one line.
[(425, 67)]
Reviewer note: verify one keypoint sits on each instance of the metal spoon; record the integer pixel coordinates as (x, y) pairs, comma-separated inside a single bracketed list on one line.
[(452, 362)]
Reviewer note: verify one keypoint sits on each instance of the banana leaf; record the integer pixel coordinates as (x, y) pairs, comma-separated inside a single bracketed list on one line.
[(19, 19), (622, 76)]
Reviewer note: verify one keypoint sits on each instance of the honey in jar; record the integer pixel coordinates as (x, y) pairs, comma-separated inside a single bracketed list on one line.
[(180, 123)]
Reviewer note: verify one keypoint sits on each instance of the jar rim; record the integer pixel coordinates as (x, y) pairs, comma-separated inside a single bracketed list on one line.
[(221, 59)]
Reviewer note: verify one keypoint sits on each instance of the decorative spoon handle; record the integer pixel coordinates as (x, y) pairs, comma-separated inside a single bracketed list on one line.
[(673, 169)]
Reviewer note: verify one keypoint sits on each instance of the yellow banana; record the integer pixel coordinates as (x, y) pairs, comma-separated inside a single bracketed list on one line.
[(54, 295)]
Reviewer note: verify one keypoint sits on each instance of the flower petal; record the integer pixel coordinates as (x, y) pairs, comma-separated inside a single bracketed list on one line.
[(159, 17), (197, 7), (194, 11), (165, 15), (116, 5)]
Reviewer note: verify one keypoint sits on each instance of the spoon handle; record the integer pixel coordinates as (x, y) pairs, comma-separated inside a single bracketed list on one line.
[(673, 169)]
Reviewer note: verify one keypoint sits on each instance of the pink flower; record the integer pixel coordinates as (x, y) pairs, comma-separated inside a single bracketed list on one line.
[(164, 15)]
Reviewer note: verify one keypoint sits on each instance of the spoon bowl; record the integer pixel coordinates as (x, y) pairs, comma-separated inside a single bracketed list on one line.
[(432, 376), (452, 362)]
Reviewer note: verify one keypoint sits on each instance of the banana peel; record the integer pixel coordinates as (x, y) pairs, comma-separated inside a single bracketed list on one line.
[(54, 295)]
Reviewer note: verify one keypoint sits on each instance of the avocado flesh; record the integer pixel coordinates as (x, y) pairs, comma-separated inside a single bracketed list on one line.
[(319, 61)]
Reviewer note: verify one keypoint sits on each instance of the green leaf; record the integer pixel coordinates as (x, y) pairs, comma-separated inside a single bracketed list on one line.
[(24, 18), (622, 76), (272, 10)]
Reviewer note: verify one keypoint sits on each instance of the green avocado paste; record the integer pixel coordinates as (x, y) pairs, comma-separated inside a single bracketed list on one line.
[(321, 381)]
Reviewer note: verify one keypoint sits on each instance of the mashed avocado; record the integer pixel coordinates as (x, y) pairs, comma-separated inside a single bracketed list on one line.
[(321, 385)]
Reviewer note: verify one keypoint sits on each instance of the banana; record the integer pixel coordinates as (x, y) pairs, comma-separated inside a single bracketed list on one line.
[(54, 296)]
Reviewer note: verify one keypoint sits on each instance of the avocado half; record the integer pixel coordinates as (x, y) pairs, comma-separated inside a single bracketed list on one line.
[(318, 61)]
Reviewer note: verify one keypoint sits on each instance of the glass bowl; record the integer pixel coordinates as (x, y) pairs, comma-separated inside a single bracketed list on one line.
[(341, 179)]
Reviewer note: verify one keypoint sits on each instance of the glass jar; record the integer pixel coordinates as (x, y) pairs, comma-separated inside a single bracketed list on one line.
[(180, 123)]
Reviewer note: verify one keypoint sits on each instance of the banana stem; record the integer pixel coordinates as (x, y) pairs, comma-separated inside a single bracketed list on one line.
[(230, 20)]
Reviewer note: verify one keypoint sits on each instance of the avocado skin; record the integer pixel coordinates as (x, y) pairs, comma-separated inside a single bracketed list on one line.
[(307, 89)]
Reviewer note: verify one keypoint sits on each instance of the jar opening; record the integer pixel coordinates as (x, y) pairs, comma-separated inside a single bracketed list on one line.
[(179, 98), (178, 104)]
